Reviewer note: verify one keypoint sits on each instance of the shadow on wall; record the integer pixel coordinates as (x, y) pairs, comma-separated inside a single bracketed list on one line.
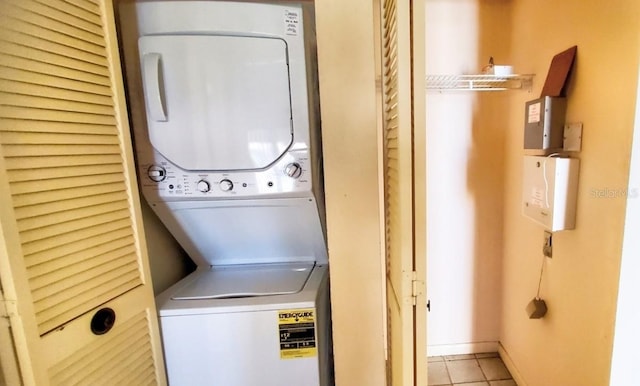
[(465, 177), (486, 168)]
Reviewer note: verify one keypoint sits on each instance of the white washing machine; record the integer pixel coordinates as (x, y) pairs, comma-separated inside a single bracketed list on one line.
[(223, 101)]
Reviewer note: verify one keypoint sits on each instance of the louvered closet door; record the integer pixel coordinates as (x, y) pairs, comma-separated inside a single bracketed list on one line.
[(70, 215), (398, 195)]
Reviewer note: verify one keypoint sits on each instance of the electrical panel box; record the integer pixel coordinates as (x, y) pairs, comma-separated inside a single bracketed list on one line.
[(544, 125), (549, 191)]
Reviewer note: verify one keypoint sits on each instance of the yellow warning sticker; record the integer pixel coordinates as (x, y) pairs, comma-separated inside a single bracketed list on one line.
[(297, 330)]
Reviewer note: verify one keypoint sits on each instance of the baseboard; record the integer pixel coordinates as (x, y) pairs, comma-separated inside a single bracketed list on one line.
[(511, 366), (462, 348)]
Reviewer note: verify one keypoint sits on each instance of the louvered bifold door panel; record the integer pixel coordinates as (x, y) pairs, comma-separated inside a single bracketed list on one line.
[(67, 159), (100, 363), (68, 186), (397, 143)]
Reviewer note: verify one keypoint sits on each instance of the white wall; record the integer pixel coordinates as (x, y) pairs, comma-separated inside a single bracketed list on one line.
[(465, 138), (624, 362)]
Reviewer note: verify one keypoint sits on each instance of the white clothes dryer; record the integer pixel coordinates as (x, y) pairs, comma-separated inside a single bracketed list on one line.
[(223, 99), (223, 102)]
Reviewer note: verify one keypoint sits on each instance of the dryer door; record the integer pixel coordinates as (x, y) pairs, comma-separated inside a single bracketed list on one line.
[(217, 102)]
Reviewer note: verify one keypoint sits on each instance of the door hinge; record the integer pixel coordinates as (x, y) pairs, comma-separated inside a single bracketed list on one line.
[(417, 287), (3, 310), (8, 308)]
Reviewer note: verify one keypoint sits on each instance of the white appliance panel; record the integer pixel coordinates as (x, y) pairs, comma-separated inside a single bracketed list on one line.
[(235, 349), (167, 306), (246, 231), (236, 342), (217, 102), (230, 281), (163, 181), (161, 178)]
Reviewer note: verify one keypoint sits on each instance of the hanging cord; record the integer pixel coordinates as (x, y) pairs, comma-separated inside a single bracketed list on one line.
[(540, 280)]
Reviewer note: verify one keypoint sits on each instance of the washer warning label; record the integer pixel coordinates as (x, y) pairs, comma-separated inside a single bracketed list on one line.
[(297, 330)]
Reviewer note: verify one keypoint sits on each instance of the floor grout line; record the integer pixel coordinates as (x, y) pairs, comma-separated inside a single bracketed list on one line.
[(482, 370), (446, 368)]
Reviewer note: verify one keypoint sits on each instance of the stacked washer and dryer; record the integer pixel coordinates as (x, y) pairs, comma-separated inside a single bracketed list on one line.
[(223, 102)]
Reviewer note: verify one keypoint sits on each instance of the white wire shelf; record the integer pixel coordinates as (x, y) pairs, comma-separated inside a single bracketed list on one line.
[(479, 82)]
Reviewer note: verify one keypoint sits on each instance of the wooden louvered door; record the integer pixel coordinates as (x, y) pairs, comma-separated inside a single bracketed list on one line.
[(71, 232), (405, 268)]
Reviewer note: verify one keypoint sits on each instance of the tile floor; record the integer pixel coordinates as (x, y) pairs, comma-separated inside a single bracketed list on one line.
[(470, 370)]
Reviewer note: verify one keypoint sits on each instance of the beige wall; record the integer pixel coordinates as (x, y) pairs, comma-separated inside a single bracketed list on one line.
[(572, 345), (465, 152), (347, 98)]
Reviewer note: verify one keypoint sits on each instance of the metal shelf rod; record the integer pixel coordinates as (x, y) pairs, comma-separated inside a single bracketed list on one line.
[(478, 82)]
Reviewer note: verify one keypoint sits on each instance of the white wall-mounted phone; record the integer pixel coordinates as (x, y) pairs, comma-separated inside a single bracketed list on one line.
[(549, 191)]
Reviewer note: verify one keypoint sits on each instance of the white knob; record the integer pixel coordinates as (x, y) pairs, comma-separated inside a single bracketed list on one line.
[(293, 170), (156, 173), (226, 185), (203, 186)]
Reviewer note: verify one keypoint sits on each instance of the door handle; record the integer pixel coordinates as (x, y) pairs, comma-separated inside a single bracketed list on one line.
[(153, 86), (103, 321)]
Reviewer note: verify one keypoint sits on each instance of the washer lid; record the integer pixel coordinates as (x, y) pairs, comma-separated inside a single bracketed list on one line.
[(233, 281), (217, 102)]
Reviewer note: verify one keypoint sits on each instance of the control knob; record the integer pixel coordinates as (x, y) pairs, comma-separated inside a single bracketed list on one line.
[(156, 173), (203, 186), (226, 185), (293, 170)]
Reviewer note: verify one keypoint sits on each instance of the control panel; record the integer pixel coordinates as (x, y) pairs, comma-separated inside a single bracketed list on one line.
[(160, 179)]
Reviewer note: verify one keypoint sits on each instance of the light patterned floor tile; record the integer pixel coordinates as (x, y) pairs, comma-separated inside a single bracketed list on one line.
[(437, 374), (494, 369), (466, 370)]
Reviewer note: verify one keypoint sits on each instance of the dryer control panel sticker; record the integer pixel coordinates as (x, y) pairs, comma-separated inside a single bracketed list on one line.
[(297, 329), (291, 22)]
